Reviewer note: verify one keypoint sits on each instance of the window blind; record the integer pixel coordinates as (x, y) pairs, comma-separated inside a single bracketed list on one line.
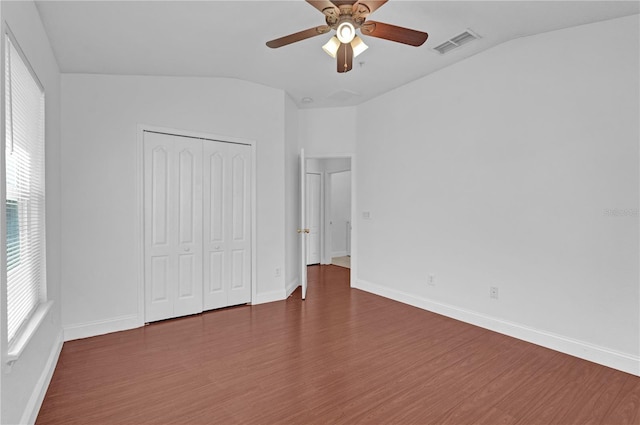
[(25, 194)]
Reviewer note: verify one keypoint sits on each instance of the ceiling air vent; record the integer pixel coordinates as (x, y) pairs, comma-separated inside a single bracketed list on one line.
[(343, 95), (457, 41)]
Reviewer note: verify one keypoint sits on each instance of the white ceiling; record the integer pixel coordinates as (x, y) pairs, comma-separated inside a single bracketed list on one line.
[(227, 39)]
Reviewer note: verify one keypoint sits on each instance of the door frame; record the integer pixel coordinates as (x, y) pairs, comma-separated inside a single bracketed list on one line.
[(354, 206), (140, 199)]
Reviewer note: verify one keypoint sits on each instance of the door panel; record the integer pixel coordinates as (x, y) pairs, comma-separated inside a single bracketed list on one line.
[(173, 220), (237, 265), (240, 268), (216, 272), (188, 250), (186, 205), (159, 193), (303, 222), (216, 195), (159, 279), (227, 209), (238, 197), (158, 216), (186, 273)]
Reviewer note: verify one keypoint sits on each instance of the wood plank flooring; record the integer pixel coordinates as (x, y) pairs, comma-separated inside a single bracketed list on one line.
[(342, 356)]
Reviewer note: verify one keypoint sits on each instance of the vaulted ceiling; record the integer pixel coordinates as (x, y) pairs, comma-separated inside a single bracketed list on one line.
[(227, 39)]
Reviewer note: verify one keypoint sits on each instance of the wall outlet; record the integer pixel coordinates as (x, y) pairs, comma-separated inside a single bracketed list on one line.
[(431, 279), (278, 272), (366, 215), (493, 292)]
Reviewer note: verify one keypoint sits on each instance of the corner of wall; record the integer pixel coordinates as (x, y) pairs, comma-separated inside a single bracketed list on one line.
[(101, 327), (292, 286), (34, 403)]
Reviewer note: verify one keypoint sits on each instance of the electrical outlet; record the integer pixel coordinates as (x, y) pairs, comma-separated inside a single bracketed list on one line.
[(431, 279), (278, 272), (493, 292), (366, 215)]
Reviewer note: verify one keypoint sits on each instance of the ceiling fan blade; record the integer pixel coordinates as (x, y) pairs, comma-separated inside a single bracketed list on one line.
[(345, 57), (322, 5), (394, 33), (372, 5), (339, 3), (299, 36)]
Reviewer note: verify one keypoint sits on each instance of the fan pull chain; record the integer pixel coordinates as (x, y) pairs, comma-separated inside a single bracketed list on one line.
[(345, 60)]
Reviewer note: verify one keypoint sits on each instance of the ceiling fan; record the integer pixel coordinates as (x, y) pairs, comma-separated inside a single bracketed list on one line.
[(346, 17)]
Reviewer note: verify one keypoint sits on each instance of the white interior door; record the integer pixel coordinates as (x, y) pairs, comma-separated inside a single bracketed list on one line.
[(302, 231), (173, 226), (313, 208), (227, 224)]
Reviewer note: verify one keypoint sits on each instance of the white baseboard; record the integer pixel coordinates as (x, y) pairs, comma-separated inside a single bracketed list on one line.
[(339, 254), (101, 327), (268, 297), (123, 323), (601, 355), (37, 396), (291, 286)]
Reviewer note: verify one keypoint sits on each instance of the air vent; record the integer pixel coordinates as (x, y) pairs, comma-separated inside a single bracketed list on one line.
[(343, 95), (457, 41), (445, 47)]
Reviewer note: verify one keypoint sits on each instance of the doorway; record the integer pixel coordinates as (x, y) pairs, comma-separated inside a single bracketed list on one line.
[(334, 174), (198, 231)]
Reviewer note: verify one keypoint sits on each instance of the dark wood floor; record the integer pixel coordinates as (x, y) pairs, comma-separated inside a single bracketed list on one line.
[(343, 356)]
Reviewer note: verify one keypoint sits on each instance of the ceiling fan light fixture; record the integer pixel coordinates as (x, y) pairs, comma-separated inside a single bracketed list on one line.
[(346, 32), (345, 18), (332, 46), (358, 46)]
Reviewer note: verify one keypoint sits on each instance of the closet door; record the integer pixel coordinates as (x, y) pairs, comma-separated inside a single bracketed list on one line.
[(173, 226), (227, 225)]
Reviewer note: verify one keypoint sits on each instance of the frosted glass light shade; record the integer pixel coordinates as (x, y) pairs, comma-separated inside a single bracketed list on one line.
[(358, 46), (332, 46), (346, 32)]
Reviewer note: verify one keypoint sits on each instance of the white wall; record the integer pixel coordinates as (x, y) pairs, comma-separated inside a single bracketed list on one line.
[(100, 252), (503, 170), (292, 196), (340, 211), (23, 385), (328, 130)]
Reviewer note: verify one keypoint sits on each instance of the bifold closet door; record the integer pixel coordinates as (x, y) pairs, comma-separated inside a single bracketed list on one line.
[(173, 226), (227, 224)]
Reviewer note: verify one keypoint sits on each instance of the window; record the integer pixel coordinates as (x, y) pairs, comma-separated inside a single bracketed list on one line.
[(13, 235), (25, 197)]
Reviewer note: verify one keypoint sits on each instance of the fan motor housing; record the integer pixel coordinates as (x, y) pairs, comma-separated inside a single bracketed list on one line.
[(355, 16)]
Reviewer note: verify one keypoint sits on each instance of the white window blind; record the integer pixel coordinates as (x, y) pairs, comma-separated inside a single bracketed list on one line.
[(25, 197)]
